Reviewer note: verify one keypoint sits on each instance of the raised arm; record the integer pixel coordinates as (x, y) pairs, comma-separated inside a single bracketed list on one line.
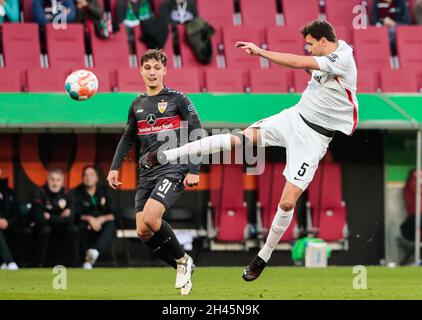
[(284, 59)]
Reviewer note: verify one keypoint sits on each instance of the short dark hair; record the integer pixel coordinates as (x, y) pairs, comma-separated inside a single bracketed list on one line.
[(156, 54), (88, 166), (318, 29)]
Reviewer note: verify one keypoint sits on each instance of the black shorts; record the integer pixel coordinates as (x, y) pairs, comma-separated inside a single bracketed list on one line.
[(164, 190)]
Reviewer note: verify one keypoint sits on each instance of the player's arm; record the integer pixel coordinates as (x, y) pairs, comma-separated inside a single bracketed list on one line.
[(189, 114), (126, 142), (284, 59)]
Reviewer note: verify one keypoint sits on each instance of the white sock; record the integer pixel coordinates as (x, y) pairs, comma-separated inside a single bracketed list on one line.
[(280, 224), (204, 146)]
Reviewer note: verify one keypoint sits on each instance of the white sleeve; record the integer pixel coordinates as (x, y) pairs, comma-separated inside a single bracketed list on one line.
[(334, 64)]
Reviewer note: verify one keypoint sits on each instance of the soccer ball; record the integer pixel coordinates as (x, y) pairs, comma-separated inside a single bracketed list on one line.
[(81, 85)]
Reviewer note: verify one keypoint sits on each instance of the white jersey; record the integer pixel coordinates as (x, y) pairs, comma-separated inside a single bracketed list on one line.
[(330, 98)]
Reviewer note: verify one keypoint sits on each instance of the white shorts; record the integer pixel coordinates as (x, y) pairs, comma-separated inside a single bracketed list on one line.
[(304, 146)]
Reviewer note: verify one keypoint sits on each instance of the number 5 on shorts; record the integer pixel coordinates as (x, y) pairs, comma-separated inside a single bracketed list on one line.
[(302, 169)]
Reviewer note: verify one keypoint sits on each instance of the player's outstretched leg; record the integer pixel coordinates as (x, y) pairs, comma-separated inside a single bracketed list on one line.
[(281, 222), (204, 146)]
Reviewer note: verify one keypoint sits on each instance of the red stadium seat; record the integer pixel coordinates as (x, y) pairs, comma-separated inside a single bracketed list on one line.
[(300, 80), (344, 33), (129, 80), (218, 13), (186, 80), (340, 12), (258, 13), (188, 58), (230, 215), (285, 39), (21, 47), (298, 13), (168, 47), (270, 81), (46, 80), (225, 80), (235, 57), (368, 81), (111, 53), (403, 80), (409, 45), (10, 80), (372, 48), (106, 79), (270, 186), (325, 196), (65, 47)]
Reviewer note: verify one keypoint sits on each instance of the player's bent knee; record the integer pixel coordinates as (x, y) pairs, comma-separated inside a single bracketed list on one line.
[(152, 222), (287, 205), (144, 234)]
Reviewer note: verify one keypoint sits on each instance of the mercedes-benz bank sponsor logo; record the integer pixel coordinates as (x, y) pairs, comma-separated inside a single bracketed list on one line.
[(151, 119)]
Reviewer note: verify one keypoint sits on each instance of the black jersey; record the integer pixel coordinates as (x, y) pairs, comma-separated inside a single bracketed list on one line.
[(150, 119)]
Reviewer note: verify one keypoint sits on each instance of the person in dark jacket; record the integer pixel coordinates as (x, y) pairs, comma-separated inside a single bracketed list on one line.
[(95, 215), (9, 217), (88, 10), (53, 214), (390, 13)]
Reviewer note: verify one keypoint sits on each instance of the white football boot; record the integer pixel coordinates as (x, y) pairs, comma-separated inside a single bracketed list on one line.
[(184, 271)]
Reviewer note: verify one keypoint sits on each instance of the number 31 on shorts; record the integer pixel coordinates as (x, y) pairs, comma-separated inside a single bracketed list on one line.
[(165, 186)]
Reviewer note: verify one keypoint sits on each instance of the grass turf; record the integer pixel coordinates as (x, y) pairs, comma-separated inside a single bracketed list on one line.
[(214, 283)]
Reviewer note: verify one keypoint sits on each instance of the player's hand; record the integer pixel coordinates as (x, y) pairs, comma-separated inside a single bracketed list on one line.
[(113, 179), (249, 47), (191, 180), (3, 224), (95, 224), (47, 216), (65, 213)]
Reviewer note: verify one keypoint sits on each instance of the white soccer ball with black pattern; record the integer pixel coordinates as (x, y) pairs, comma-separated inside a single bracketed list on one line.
[(81, 85)]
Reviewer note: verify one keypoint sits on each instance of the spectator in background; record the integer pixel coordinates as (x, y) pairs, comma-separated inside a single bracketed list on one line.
[(9, 217), (44, 11), (178, 11), (418, 12), (9, 11), (408, 226), (390, 13), (53, 214), (88, 10), (95, 215), (132, 12)]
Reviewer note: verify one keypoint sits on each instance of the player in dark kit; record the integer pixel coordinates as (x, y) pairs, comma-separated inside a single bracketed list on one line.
[(156, 117)]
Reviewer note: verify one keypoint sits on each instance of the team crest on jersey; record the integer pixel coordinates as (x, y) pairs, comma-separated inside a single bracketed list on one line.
[(162, 106), (103, 201)]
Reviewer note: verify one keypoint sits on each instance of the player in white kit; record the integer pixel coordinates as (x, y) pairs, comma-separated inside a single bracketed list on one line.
[(327, 105)]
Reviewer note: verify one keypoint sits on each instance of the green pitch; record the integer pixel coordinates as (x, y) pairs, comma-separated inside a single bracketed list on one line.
[(214, 283)]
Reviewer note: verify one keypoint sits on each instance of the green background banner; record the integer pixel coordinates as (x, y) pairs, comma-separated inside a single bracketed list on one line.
[(56, 110)]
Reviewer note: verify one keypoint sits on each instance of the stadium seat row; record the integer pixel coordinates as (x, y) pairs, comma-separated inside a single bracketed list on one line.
[(213, 80), (66, 48)]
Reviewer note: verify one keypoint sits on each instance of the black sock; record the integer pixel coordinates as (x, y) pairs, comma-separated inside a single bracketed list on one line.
[(169, 241), (160, 251)]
